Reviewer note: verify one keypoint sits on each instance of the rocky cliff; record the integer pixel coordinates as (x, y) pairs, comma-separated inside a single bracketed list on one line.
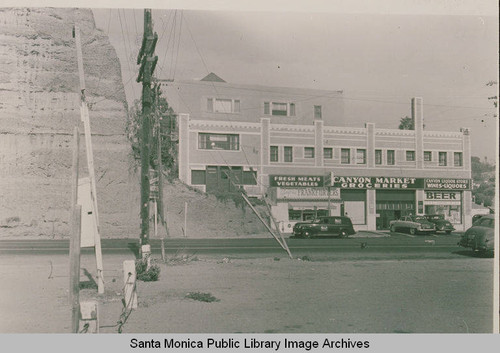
[(39, 107)]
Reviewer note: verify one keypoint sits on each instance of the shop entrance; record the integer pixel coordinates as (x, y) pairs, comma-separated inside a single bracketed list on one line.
[(392, 205)]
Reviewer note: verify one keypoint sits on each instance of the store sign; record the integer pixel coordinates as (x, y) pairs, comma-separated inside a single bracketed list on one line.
[(443, 195), (448, 184), (307, 194), (294, 181), (351, 182)]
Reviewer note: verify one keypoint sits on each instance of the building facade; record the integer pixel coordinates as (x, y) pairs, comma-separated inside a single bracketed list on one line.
[(318, 168)]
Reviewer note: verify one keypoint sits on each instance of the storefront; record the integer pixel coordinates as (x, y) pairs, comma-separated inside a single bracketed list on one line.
[(446, 196), (393, 204)]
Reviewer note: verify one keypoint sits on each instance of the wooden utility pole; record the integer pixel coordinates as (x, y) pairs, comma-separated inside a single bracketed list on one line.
[(148, 63), (84, 112)]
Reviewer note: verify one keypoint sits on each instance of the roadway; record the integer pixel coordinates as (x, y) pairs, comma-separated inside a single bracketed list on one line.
[(398, 245)]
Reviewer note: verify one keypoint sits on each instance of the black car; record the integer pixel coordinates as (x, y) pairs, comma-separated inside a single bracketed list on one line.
[(325, 226), (442, 225)]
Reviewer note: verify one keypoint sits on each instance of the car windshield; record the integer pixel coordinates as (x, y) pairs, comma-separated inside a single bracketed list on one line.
[(486, 222), (436, 217), (420, 218)]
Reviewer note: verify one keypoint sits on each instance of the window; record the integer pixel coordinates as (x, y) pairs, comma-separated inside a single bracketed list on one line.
[(266, 108), (345, 156), (218, 105), (378, 156), (274, 153), (442, 159), (391, 160), (410, 156), (457, 159), (317, 112), (218, 141), (361, 156), (279, 109), (308, 152), (288, 154), (327, 153), (427, 156)]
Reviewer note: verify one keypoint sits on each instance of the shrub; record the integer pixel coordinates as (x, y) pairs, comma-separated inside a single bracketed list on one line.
[(144, 274)]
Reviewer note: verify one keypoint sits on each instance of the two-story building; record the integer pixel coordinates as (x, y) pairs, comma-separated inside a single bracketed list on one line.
[(290, 145)]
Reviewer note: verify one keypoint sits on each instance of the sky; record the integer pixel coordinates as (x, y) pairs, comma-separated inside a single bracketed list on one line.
[(380, 53)]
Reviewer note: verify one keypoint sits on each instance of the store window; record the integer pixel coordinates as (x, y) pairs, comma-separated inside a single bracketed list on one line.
[(308, 152), (361, 156), (274, 154), (378, 156), (442, 159), (452, 213), (457, 159), (208, 141), (327, 153), (391, 157), (288, 154), (345, 156), (427, 156), (410, 156)]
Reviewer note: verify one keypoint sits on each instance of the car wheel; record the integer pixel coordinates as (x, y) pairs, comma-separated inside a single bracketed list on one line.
[(343, 234), (413, 231), (393, 229), (448, 231), (307, 235)]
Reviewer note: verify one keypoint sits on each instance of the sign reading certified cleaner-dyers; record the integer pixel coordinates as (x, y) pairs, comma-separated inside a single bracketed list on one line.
[(295, 181)]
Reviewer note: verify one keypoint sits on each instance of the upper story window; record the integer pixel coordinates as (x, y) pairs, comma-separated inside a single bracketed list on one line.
[(378, 156), (457, 159), (274, 154), (427, 156), (443, 159), (317, 112), (327, 153), (345, 156), (361, 156), (279, 108), (208, 141), (219, 105), (308, 152), (391, 158), (410, 156), (288, 153)]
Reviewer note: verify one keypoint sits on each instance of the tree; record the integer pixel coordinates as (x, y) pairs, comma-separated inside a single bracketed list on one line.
[(164, 118), (406, 123), (493, 98)]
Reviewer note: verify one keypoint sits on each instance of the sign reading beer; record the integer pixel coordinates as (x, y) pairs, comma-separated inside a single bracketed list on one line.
[(351, 182), (307, 194), (443, 195), (447, 184), (294, 181)]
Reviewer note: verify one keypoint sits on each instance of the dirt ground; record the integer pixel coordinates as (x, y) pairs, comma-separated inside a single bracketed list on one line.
[(261, 295)]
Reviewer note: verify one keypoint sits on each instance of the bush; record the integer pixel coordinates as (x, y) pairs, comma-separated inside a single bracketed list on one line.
[(144, 274)]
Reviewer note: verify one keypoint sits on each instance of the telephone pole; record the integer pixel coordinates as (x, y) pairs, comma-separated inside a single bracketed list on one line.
[(148, 64)]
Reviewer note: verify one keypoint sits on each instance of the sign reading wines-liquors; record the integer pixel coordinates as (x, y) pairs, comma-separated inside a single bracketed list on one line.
[(447, 184), (294, 181)]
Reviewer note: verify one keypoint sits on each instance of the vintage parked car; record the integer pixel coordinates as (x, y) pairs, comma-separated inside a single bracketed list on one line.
[(481, 236), (324, 226), (442, 225), (413, 224)]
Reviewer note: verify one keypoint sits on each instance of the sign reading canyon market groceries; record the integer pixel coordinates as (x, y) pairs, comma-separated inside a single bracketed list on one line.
[(352, 182), (294, 181)]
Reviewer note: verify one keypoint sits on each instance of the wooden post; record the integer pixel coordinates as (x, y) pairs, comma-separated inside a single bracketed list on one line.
[(74, 248), (129, 278), (89, 321), (74, 259), (329, 201), (185, 218), (84, 112)]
